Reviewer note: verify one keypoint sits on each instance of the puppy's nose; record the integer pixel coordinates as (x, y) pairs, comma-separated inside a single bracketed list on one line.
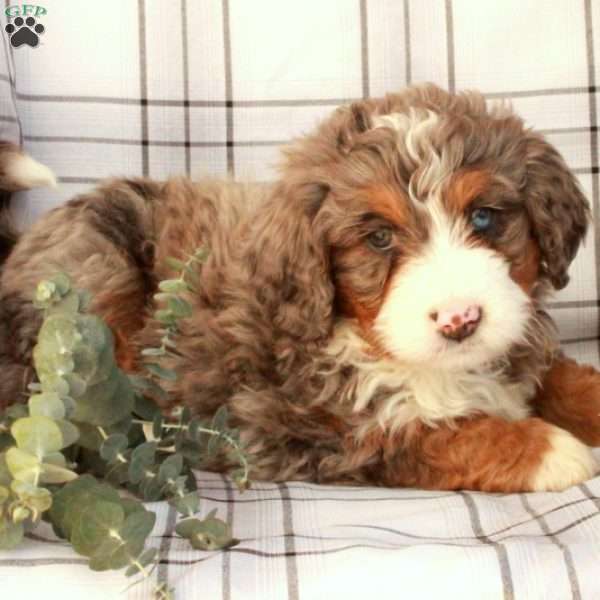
[(457, 322)]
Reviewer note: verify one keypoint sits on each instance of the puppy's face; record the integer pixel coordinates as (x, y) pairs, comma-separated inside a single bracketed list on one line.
[(444, 225)]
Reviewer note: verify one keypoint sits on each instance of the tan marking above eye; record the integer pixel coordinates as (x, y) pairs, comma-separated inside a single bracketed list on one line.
[(464, 187), (391, 204)]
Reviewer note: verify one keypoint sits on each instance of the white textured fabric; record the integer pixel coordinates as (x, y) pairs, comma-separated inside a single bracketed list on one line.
[(210, 86), (309, 542)]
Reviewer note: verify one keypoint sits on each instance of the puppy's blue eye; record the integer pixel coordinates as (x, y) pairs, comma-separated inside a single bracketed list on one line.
[(482, 219)]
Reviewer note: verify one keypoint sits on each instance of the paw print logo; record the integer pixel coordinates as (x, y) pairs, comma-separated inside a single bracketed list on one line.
[(24, 31)]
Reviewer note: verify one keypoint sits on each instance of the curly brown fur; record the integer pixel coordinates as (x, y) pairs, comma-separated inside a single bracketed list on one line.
[(300, 324)]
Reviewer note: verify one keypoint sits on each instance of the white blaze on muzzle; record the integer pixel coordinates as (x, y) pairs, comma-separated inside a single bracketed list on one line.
[(452, 274)]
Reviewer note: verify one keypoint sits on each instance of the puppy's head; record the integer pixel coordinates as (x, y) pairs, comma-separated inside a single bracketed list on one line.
[(434, 222)]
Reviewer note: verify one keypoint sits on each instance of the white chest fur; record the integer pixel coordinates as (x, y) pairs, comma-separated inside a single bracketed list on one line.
[(397, 394)]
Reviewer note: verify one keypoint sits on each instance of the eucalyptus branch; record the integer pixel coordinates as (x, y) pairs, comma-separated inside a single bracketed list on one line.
[(83, 401)]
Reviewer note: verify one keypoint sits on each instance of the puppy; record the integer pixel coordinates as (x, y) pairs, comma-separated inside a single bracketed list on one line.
[(375, 316)]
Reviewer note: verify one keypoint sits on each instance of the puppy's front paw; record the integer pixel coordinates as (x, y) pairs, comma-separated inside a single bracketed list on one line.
[(567, 463)]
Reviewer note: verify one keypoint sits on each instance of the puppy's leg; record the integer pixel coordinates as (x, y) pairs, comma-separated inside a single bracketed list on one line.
[(570, 398), (489, 454)]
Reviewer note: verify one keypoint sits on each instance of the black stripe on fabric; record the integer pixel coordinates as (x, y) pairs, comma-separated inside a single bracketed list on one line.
[(566, 553), (228, 88), (192, 103), (313, 499), (162, 571), (364, 47), (407, 45), (186, 87), (489, 535), (137, 142), (574, 304), (535, 93), (503, 564), (570, 341), (290, 550), (450, 47), (42, 562), (591, 71), (143, 85), (226, 570), (12, 79)]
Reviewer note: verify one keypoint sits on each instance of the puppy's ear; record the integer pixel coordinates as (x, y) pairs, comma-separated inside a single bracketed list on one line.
[(557, 209), (353, 120), (290, 264)]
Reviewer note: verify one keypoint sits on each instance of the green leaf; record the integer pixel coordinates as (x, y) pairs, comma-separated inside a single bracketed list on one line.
[(23, 465), (179, 307), (35, 499), (110, 554), (16, 411), (150, 489), (142, 459), (208, 534), (69, 432), (112, 446), (73, 498), (165, 316), (143, 560), (115, 554), (161, 372), (153, 352), (187, 504), (145, 408), (172, 286), (37, 435), (220, 419), (54, 474), (99, 521), (45, 292), (46, 404), (68, 304), (137, 527), (11, 534), (52, 382), (170, 468), (175, 264), (107, 402), (157, 425), (62, 283)]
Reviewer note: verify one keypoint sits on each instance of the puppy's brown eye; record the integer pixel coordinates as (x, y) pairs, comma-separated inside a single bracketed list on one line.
[(381, 239)]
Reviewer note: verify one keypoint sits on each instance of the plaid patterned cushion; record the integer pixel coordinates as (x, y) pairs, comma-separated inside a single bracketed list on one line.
[(159, 88)]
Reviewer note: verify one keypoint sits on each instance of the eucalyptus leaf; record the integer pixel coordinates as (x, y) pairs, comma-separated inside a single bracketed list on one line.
[(99, 521), (46, 404), (142, 459), (219, 422), (69, 432), (23, 465), (105, 403), (53, 474), (157, 425), (11, 534), (187, 504), (172, 286), (143, 560), (113, 446), (38, 435), (179, 307), (170, 468), (137, 527)]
